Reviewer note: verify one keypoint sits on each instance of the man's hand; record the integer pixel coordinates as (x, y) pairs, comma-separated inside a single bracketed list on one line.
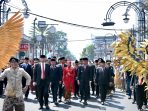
[(60, 82), (90, 83), (78, 82), (34, 84), (25, 89)]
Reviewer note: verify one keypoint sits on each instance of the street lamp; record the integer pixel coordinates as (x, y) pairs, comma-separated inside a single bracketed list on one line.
[(34, 39), (108, 21), (134, 5), (126, 19)]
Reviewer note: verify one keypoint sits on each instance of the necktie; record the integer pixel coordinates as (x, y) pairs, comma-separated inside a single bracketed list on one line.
[(141, 81), (43, 71)]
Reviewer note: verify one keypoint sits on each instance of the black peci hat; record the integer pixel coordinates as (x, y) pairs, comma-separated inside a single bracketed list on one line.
[(26, 58), (81, 59), (42, 56), (62, 58), (13, 59), (96, 61), (36, 59), (108, 61), (76, 61), (101, 60), (85, 59), (52, 59)]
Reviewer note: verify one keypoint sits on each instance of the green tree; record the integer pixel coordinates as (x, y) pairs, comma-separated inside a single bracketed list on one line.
[(88, 52)]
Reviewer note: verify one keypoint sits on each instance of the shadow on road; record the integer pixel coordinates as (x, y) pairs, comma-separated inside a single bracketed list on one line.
[(110, 104), (31, 100), (48, 110), (65, 106)]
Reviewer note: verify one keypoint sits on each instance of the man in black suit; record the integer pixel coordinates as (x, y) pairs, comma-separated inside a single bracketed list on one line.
[(103, 78), (28, 68), (55, 79), (76, 92), (84, 79), (61, 65), (42, 80)]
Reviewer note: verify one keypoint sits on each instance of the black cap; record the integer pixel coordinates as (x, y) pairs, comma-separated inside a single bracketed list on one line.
[(101, 60), (49, 58), (85, 58), (26, 58), (108, 61), (42, 56), (62, 58), (96, 61), (76, 61), (36, 59), (13, 59), (53, 59), (81, 59)]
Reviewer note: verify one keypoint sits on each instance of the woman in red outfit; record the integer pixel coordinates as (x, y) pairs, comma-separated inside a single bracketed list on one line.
[(68, 80)]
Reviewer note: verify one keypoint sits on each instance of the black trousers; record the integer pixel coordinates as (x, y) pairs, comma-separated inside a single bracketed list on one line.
[(134, 94), (1, 88), (97, 90), (36, 91), (24, 84), (54, 89), (140, 96), (84, 91), (93, 86), (103, 91), (61, 91), (76, 88), (42, 90)]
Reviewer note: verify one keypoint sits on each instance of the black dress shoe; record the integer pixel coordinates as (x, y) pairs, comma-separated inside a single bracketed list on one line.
[(85, 103), (47, 107), (56, 103), (102, 103), (26, 98), (60, 100), (129, 97), (80, 100), (41, 108), (133, 102)]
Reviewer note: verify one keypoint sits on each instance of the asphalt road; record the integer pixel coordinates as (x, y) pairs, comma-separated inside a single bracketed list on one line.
[(118, 102)]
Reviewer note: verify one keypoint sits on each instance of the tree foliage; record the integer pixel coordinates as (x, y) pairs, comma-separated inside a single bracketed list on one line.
[(57, 42), (88, 52)]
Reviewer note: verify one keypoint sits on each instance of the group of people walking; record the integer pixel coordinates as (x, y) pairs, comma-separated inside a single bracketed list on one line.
[(62, 78)]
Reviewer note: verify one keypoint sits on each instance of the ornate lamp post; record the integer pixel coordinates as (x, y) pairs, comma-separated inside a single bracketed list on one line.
[(135, 6)]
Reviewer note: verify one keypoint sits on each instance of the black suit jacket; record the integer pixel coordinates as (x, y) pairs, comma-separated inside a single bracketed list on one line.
[(55, 75), (84, 75), (38, 72), (103, 77), (28, 69), (61, 70)]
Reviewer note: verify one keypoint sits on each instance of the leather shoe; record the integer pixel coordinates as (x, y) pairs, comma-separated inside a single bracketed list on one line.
[(41, 108), (102, 103), (47, 107), (85, 103), (80, 100), (133, 102), (60, 100), (56, 103)]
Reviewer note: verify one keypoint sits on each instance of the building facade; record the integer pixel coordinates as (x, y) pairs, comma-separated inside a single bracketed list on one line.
[(103, 47)]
